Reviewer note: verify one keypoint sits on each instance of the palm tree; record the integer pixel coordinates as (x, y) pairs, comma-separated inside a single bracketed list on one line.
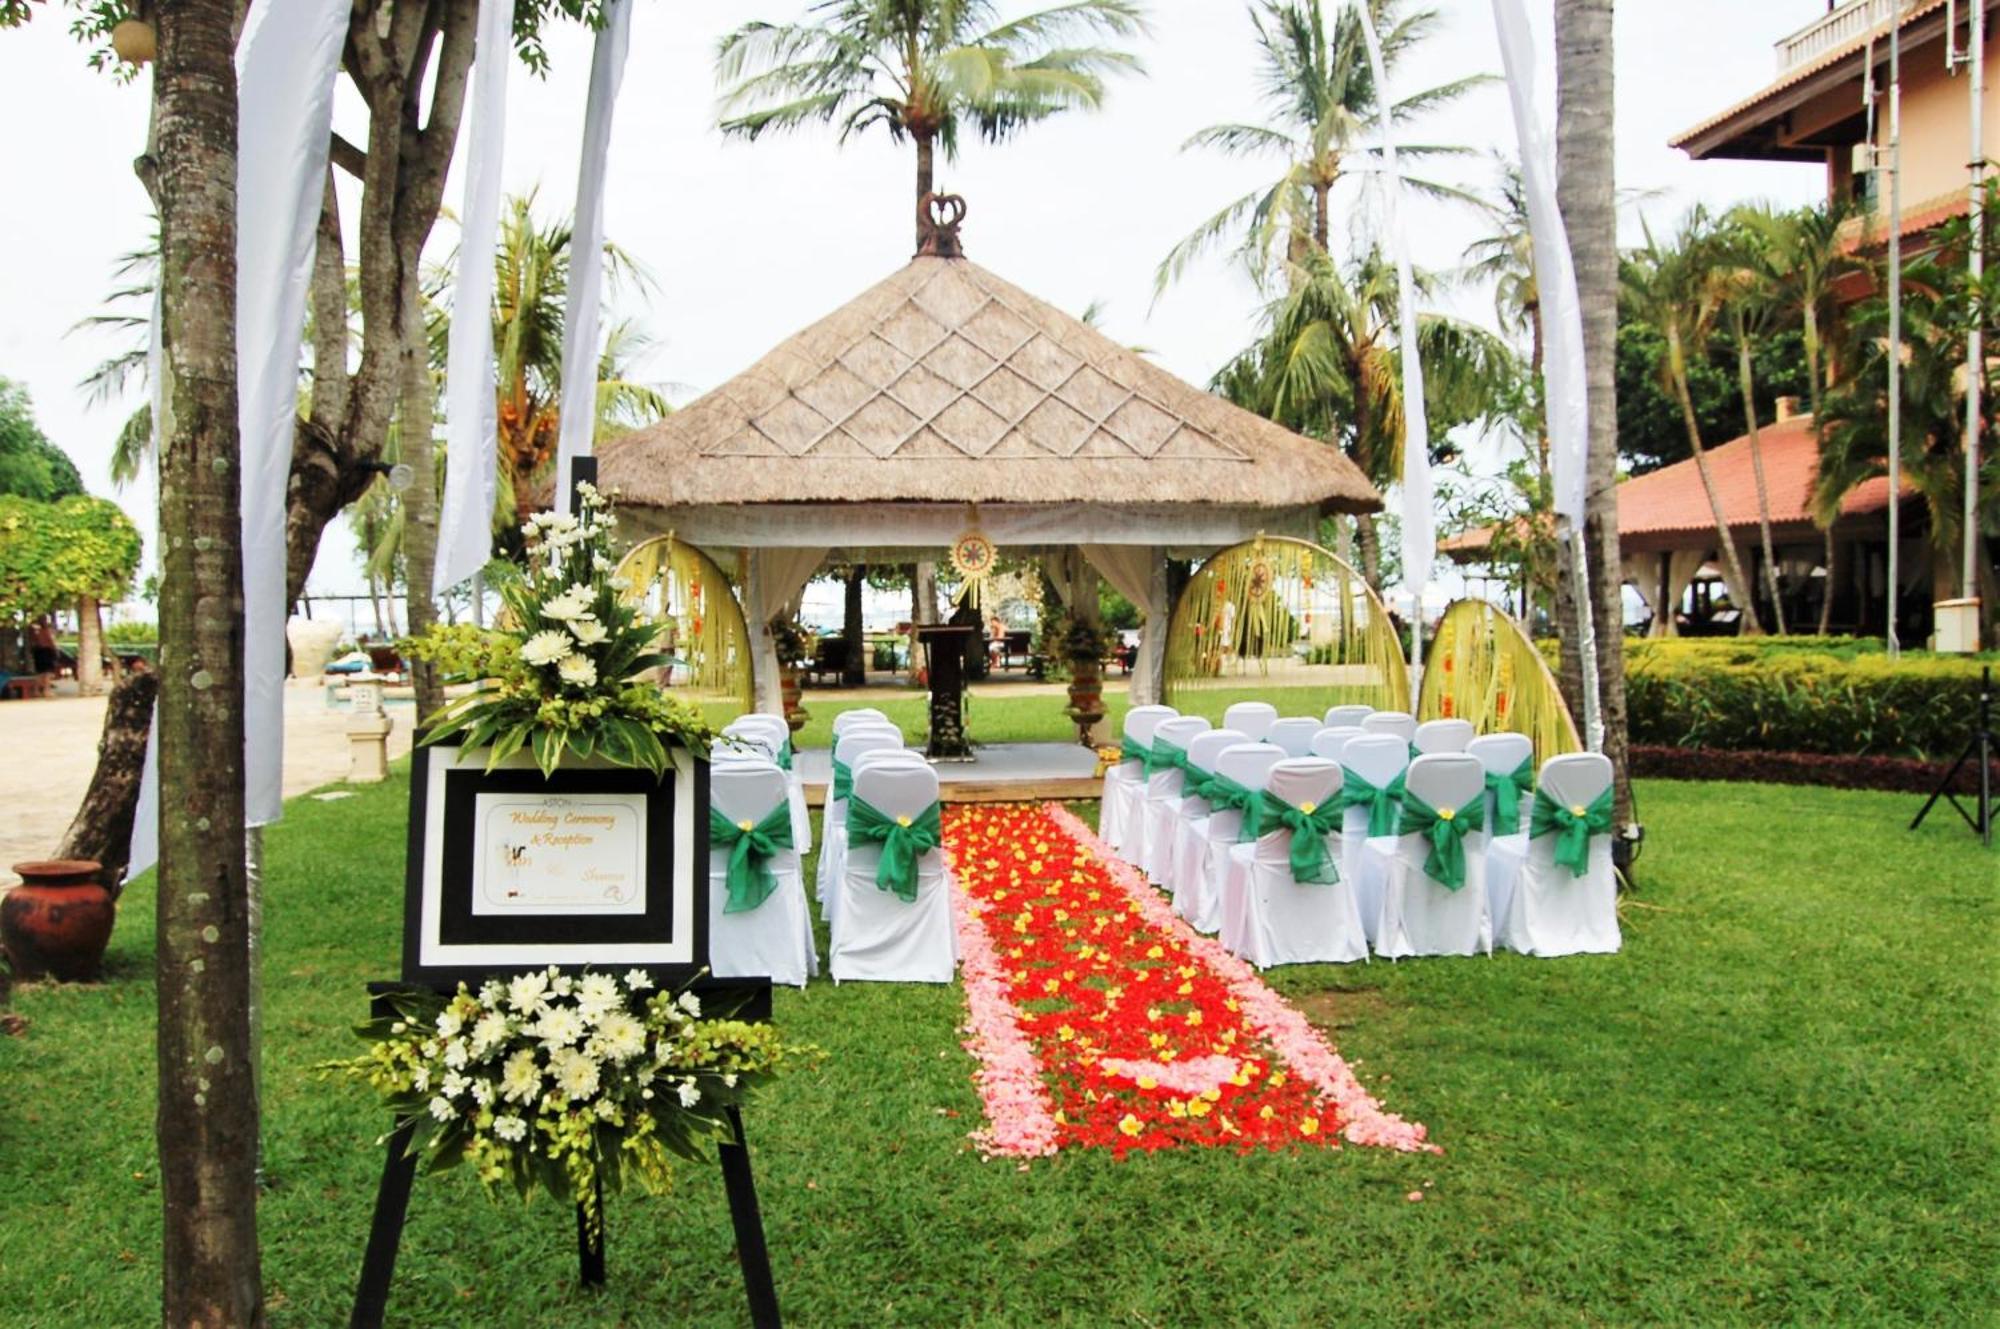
[(1329, 367), (1751, 307), (1323, 106), (1505, 256), (923, 69), (1804, 259), (1681, 289)]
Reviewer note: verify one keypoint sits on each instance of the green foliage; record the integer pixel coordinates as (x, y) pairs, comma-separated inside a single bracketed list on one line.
[(1797, 695), (131, 632), (55, 554), (30, 465), (1114, 610), (1650, 431)]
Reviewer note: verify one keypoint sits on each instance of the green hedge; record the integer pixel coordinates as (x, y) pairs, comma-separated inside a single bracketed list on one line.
[(1783, 695)]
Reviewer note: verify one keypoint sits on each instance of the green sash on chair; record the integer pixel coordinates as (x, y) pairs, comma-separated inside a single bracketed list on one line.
[(1198, 782), (751, 845), (843, 780), (1446, 829), (785, 755), (1380, 800), (903, 841), (1225, 793), (1167, 757), (1131, 749), (1507, 790), (1572, 826), (1310, 824)]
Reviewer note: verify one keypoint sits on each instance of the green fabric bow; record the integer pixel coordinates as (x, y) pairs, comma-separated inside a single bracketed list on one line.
[(1224, 793), (1446, 829), (1167, 757), (1572, 827), (1310, 824), (1131, 749), (843, 779), (751, 846), (1197, 782), (903, 841), (785, 755), (1380, 800), (1507, 790)]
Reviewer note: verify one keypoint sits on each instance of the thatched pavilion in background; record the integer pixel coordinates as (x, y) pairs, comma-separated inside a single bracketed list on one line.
[(943, 400)]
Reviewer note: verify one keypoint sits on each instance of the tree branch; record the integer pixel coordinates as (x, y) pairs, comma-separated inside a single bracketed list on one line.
[(348, 157)]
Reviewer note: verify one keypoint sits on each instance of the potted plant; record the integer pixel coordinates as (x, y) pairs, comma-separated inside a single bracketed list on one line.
[(795, 651), (1081, 646)]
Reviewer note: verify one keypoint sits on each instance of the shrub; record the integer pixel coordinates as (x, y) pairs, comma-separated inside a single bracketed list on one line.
[(1896, 774)]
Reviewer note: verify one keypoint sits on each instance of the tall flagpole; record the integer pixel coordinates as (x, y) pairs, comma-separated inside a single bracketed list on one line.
[(1896, 312), (1975, 340)]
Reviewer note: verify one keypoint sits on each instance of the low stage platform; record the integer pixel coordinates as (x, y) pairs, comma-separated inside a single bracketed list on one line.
[(998, 773)]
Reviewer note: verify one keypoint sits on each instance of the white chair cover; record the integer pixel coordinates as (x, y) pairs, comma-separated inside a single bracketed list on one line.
[(780, 733), (1420, 916), (1550, 911), (847, 750), (1293, 735), (1154, 849), (1378, 759), (1252, 719), (859, 715), (1199, 899), (1190, 829), (1330, 742), (774, 940), (1400, 723), (1270, 918), (1501, 754), (1124, 783), (1339, 717), (833, 852), (877, 936), (1443, 736)]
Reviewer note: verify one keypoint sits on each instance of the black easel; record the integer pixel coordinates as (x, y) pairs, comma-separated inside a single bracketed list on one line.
[(1979, 748), (399, 1171)]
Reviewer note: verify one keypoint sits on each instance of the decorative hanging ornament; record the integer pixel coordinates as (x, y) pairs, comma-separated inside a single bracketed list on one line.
[(973, 557)]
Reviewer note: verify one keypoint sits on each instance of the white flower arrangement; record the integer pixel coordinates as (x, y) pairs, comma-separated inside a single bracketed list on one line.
[(560, 1083)]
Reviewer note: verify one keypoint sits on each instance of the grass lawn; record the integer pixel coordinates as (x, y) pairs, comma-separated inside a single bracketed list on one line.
[(1777, 1106)]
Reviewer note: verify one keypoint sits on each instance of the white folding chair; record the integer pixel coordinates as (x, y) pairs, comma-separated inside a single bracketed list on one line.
[(1330, 741), (1293, 735), (1400, 723), (1155, 848), (1421, 915), (1434, 736), (877, 935), (780, 735), (847, 750), (1125, 783), (1200, 899), (1252, 719), (858, 715), (1505, 757), (1269, 915), (1551, 908), (1370, 762), (1339, 717), (1190, 832), (833, 849), (775, 938)]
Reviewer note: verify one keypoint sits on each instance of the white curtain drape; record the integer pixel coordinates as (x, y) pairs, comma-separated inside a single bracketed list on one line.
[(465, 525), (286, 63), (1139, 573), (1641, 571), (578, 420), (772, 579), (1682, 565)]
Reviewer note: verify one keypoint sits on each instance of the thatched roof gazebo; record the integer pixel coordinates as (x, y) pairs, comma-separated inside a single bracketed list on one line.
[(945, 399)]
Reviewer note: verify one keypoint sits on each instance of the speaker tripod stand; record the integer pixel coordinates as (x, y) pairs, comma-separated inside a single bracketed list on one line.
[(1981, 748)]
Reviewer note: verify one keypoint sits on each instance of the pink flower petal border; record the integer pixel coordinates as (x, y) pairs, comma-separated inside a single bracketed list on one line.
[(1020, 1115), (1304, 1048)]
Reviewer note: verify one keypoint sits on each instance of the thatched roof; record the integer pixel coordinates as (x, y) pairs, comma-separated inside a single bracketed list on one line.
[(946, 384)]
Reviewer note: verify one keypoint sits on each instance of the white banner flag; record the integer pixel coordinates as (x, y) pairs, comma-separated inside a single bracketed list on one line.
[(1419, 525), (586, 249), (1566, 388), (465, 526), (286, 64)]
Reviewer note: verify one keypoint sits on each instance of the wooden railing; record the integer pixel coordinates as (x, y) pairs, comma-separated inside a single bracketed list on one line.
[(1848, 23)]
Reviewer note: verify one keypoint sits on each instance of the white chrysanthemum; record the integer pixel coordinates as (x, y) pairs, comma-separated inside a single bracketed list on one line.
[(546, 647), (456, 1054), (638, 980), (492, 992), (442, 1109), (691, 1003), (587, 631), (597, 994), (454, 1085), (578, 671), (620, 1037), (559, 982), (559, 1027), (521, 1079), (489, 1033), (606, 1109), (575, 1073), (421, 1080), (510, 1127), (449, 1022), (572, 603), (689, 1095), (482, 1092), (526, 993)]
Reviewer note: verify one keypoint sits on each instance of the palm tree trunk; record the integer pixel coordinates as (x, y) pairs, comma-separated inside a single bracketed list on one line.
[(1816, 385), (420, 511), (925, 181), (206, 1119), (1322, 216), (89, 647), (1677, 371), (1371, 550), (1746, 379), (1826, 599), (1586, 191)]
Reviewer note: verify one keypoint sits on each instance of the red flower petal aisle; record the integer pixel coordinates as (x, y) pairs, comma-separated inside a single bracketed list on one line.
[(1098, 1017)]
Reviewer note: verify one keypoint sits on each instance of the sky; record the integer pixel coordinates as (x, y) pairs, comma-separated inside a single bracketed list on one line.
[(747, 243)]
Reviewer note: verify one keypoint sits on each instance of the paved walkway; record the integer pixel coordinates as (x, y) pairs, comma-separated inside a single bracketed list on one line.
[(51, 749)]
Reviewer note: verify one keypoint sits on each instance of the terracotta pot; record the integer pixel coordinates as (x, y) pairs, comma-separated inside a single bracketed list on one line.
[(57, 922), (790, 691)]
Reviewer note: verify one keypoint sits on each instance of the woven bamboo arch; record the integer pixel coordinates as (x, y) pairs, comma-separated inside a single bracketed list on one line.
[(1285, 621), (1482, 667), (702, 625)]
